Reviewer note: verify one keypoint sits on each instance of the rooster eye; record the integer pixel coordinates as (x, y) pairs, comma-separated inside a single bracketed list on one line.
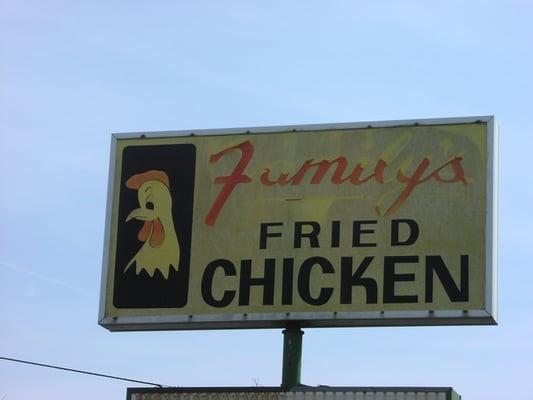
[(150, 205)]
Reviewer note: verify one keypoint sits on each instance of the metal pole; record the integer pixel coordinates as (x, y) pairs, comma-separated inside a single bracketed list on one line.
[(292, 357)]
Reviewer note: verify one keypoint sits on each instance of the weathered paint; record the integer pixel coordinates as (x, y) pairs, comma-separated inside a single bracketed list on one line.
[(308, 393)]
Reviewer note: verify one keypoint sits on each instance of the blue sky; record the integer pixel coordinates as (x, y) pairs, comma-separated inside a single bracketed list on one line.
[(71, 73)]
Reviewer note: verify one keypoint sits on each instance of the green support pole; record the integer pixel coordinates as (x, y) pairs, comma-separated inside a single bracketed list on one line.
[(292, 357)]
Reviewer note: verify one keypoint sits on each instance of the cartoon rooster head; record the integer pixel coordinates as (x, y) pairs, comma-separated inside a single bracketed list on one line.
[(160, 249)]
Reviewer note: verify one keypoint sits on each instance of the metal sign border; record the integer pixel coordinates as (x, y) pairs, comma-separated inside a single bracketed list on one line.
[(487, 316), (449, 392)]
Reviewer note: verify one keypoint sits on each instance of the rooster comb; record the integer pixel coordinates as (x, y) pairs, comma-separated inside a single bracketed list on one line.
[(137, 180)]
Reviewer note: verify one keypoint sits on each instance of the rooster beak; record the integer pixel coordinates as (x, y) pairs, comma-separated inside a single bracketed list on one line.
[(142, 214)]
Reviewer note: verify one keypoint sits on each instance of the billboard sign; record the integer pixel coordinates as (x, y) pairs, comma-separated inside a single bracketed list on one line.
[(383, 223), (297, 393)]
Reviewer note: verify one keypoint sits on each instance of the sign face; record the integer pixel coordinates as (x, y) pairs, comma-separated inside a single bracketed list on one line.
[(298, 393), (386, 223)]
